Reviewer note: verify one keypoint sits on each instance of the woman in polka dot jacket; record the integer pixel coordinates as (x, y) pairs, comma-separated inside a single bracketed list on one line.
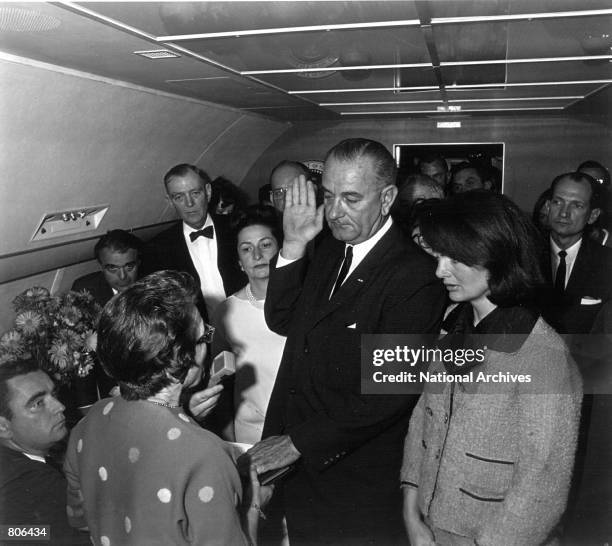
[(139, 469)]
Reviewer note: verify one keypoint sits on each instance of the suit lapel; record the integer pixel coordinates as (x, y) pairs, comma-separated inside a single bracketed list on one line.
[(369, 267)]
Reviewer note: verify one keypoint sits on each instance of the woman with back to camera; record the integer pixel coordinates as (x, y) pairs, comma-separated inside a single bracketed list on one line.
[(489, 463), (242, 329), (139, 469)]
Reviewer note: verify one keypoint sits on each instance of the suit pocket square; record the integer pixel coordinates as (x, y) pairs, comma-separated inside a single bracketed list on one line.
[(589, 301), (352, 326)]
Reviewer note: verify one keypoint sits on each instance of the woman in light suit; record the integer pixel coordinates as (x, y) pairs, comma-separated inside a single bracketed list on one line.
[(488, 456)]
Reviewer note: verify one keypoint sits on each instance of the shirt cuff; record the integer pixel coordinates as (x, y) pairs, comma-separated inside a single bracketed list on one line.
[(282, 262)]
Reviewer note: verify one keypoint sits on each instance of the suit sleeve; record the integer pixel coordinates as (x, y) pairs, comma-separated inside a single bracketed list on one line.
[(549, 425), (284, 291), (355, 418)]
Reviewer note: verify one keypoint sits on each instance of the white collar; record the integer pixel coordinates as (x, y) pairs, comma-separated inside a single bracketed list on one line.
[(188, 229), (361, 249), (34, 457), (571, 251)]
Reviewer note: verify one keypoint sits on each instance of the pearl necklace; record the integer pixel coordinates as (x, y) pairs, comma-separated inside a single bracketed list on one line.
[(251, 297), (164, 404)]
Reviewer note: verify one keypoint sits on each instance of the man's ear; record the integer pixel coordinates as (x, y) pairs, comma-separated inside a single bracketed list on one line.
[(387, 197), (6, 428), (594, 215), (208, 190)]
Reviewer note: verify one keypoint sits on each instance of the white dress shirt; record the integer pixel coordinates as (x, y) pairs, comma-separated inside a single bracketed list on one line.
[(570, 258), (203, 252), (360, 250)]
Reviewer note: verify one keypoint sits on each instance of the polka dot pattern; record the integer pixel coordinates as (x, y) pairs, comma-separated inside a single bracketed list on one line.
[(174, 433), (107, 408), (206, 494), (164, 495), (80, 445), (133, 454), (103, 473), (105, 541), (127, 522)]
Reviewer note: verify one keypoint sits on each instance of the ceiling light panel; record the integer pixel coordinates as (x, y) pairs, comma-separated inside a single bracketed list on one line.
[(157, 54)]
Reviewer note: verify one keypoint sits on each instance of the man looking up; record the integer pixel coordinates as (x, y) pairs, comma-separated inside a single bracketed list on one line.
[(364, 279), (198, 245), (32, 492)]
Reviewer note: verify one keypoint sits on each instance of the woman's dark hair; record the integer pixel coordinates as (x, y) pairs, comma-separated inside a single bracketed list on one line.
[(259, 215), (540, 202), (146, 334), (480, 228), (221, 188)]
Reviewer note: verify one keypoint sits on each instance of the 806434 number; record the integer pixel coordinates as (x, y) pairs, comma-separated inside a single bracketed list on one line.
[(25, 532)]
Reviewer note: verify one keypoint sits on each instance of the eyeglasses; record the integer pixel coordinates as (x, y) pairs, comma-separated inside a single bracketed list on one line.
[(207, 337), (278, 194)]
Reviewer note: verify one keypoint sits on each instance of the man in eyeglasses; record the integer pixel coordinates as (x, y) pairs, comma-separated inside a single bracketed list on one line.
[(118, 253), (281, 178)]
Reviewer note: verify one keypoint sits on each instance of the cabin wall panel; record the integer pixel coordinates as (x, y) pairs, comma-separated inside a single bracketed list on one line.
[(537, 147), (71, 139)]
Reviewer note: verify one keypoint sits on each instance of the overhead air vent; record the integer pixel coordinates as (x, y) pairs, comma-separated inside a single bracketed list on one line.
[(69, 222), (157, 54), (25, 20)]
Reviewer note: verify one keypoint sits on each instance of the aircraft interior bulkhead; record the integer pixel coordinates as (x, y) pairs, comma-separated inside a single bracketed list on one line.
[(99, 99)]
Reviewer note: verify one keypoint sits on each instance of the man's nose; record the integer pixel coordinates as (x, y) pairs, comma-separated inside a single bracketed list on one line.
[(56, 405), (189, 201), (121, 273), (564, 210), (335, 209)]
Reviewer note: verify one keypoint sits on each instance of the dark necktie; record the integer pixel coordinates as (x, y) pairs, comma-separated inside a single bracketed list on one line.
[(560, 276), (344, 268), (206, 232)]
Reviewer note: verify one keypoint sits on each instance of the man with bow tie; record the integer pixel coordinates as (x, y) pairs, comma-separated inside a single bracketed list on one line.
[(366, 279), (197, 245)]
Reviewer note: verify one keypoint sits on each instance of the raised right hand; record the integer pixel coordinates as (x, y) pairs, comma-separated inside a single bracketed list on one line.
[(302, 220)]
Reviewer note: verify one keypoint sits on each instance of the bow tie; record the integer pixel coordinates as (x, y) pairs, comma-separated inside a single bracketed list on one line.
[(206, 232)]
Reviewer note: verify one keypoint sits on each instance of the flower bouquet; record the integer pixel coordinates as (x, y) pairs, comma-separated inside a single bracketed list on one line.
[(57, 331)]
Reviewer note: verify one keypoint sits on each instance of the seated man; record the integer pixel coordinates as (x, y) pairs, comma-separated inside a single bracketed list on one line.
[(118, 253), (32, 492)]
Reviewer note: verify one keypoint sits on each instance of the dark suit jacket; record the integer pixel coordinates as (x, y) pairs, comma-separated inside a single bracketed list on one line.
[(591, 277), (168, 250), (96, 285), (34, 493), (347, 480)]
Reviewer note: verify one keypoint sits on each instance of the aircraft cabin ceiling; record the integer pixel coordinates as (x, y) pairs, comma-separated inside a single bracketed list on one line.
[(331, 60)]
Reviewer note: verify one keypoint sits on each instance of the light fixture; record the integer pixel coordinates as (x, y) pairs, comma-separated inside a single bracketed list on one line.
[(69, 222), (157, 54), (446, 113)]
